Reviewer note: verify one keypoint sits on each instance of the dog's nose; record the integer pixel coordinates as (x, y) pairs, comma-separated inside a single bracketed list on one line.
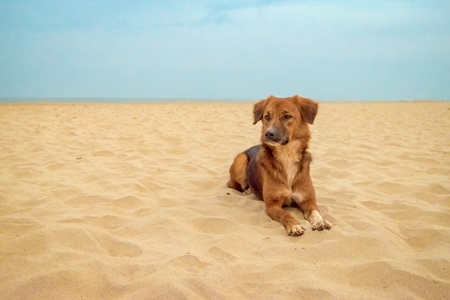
[(270, 135)]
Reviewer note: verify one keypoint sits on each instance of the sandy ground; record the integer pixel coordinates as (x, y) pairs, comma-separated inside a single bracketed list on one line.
[(104, 201)]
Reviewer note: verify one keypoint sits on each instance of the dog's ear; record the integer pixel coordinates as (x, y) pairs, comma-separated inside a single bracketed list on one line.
[(308, 108), (258, 110)]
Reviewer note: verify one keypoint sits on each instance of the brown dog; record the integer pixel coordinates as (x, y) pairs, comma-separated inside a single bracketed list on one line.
[(277, 171)]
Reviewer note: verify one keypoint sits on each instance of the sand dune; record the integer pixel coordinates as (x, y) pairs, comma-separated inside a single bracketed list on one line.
[(104, 201)]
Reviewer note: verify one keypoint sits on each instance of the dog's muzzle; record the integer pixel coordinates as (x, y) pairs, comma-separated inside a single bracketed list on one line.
[(274, 137)]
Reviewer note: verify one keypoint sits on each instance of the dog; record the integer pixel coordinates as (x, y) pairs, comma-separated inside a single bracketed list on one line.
[(277, 170)]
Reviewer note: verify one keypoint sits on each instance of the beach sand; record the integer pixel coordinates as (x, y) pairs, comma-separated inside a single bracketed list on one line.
[(129, 201)]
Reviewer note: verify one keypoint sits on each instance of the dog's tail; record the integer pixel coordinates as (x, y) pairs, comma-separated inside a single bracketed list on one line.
[(238, 177)]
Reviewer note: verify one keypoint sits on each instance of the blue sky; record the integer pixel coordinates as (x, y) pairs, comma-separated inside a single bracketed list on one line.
[(326, 50)]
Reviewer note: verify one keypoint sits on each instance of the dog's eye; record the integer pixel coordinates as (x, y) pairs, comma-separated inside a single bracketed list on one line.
[(287, 117), (267, 117)]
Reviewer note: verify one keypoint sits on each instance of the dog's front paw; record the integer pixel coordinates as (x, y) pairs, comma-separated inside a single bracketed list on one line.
[(321, 225), (296, 230), (317, 222)]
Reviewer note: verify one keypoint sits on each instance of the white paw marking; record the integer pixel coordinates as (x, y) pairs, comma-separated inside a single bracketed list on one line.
[(317, 222), (296, 230)]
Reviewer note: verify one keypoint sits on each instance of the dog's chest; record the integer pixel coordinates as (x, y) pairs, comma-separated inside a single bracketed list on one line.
[(290, 162)]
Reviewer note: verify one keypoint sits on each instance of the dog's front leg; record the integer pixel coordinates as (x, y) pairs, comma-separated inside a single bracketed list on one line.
[(304, 195), (312, 214), (274, 209)]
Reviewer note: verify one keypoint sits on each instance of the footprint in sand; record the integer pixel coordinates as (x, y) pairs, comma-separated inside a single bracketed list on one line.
[(116, 247), (215, 225), (81, 201), (421, 238), (220, 255), (128, 202), (188, 262), (392, 188), (103, 153), (108, 222)]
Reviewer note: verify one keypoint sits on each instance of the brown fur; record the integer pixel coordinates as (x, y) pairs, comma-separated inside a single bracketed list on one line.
[(277, 171)]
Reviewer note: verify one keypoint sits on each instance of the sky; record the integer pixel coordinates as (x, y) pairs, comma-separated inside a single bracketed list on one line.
[(239, 50)]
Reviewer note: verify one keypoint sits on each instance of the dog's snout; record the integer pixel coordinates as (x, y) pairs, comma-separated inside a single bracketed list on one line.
[(270, 135), (276, 136)]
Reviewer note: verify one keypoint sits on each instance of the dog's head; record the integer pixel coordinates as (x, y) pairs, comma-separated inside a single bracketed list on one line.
[(285, 119)]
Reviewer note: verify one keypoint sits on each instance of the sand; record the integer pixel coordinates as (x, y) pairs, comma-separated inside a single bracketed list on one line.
[(128, 201)]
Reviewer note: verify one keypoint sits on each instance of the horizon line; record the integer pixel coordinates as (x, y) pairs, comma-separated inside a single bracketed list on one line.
[(187, 99)]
